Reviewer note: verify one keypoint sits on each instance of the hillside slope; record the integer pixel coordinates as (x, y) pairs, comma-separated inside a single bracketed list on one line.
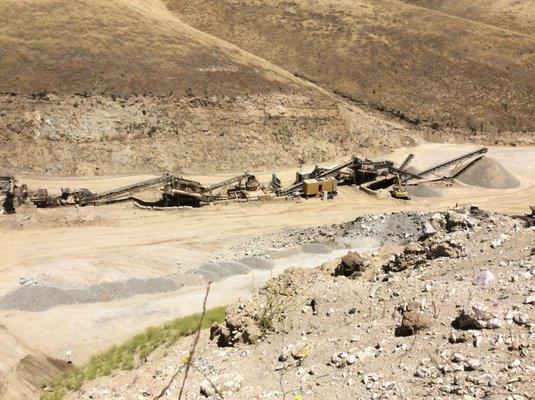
[(100, 87), (514, 15), (424, 65), (121, 47)]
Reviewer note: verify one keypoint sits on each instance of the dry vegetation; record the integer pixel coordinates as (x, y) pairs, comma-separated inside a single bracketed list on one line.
[(122, 48), (423, 65), (100, 87), (514, 15)]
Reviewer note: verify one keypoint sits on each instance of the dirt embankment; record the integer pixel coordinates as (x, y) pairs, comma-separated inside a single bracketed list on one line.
[(23, 370), (424, 66), (79, 135)]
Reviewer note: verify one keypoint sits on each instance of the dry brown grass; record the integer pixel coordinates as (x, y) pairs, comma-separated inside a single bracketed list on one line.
[(426, 65), (121, 47), (514, 15)]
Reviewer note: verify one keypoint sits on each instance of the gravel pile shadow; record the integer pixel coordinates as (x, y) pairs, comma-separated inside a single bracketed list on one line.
[(488, 173), (41, 298)]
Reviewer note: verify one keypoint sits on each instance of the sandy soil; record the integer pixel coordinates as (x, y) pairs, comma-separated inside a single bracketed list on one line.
[(380, 325), (116, 243)]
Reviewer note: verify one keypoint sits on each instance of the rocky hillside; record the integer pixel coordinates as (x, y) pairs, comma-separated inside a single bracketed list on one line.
[(447, 315), (426, 66), (92, 87)]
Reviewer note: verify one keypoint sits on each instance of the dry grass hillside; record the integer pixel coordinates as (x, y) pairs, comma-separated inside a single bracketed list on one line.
[(422, 64), (121, 47), (122, 86), (514, 15)]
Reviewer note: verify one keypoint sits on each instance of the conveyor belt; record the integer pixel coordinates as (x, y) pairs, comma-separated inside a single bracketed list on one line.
[(227, 182), (110, 195), (449, 163), (328, 172)]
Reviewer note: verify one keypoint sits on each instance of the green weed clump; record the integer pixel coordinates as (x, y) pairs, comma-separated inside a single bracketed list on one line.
[(124, 356)]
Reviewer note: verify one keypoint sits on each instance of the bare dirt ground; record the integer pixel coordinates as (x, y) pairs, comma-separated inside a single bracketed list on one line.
[(106, 273), (444, 317)]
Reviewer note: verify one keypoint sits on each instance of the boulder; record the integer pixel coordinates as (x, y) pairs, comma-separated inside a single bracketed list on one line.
[(484, 278), (352, 265), (413, 321)]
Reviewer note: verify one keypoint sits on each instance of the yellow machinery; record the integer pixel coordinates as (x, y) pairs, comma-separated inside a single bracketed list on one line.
[(399, 191), (313, 187)]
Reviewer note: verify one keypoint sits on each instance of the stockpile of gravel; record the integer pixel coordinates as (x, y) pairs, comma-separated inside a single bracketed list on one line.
[(400, 227), (422, 190), (217, 270), (261, 263), (41, 297), (316, 248), (488, 173)]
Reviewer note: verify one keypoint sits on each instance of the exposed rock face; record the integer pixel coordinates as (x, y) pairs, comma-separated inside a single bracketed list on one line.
[(352, 265), (457, 221), (444, 248), (417, 254), (249, 322), (240, 326)]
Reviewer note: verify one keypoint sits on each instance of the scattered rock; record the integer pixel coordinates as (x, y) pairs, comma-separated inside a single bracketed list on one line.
[(207, 389), (352, 265), (476, 317), (484, 278), (413, 321), (27, 282), (457, 338)]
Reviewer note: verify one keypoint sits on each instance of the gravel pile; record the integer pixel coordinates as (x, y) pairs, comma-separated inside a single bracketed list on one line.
[(41, 298), (488, 173), (217, 270), (287, 238), (400, 227), (261, 263)]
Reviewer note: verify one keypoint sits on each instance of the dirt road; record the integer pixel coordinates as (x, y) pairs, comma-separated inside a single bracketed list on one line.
[(75, 249)]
